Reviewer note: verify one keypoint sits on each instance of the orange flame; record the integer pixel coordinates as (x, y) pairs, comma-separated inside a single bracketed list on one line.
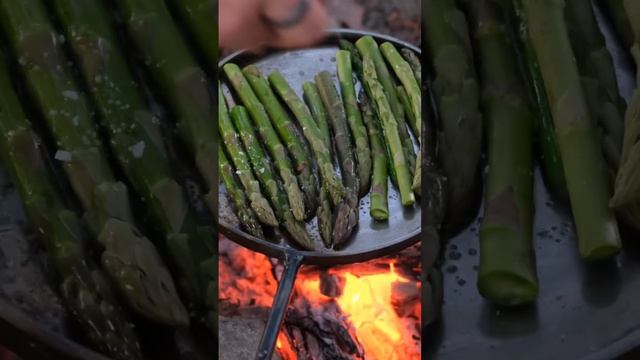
[(366, 301)]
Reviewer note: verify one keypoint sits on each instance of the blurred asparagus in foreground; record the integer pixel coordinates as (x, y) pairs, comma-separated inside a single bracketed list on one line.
[(83, 287), (138, 146), (507, 273), (180, 80), (130, 259), (584, 164), (457, 99)]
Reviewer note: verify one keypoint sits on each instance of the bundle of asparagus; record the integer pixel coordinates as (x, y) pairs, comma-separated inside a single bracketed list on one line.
[(83, 286), (367, 142), (139, 148), (130, 258), (55, 89), (457, 98)]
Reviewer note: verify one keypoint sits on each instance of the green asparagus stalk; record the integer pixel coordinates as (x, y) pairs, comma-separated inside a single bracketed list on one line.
[(403, 71), (138, 147), (378, 206), (128, 257), (389, 129), (314, 136), (264, 172), (246, 216), (406, 104), (416, 185), (415, 123), (325, 218), (83, 286), (622, 24), (290, 136), (598, 78), (344, 224), (415, 63), (356, 59), (457, 100), (338, 122), (200, 18), (319, 113), (369, 48), (546, 135), (232, 142), (507, 274), (626, 200), (356, 62), (270, 138), (584, 165), (181, 81), (354, 119), (345, 213)]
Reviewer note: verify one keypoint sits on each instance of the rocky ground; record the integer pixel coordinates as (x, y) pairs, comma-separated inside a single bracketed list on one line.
[(399, 18)]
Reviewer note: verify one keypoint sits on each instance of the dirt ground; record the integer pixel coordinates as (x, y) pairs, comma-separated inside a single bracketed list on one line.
[(398, 18)]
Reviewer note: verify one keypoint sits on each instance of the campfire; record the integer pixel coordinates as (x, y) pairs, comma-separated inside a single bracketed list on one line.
[(360, 311)]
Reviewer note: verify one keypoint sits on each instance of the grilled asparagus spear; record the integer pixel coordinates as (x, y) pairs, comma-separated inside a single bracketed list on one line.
[(507, 273), (354, 119), (83, 286), (130, 258), (289, 135), (229, 137), (404, 72), (344, 148), (583, 162), (369, 48), (270, 137), (138, 146), (545, 132), (264, 172), (457, 100), (414, 62), (200, 18), (356, 62), (389, 128), (343, 201), (180, 80), (319, 113), (246, 216), (626, 199), (379, 207), (598, 78)]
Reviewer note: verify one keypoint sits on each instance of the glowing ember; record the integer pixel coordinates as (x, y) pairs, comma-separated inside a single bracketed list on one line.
[(377, 305), (367, 302)]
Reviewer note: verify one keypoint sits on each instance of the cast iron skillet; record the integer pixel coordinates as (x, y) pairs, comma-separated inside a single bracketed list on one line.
[(372, 239), (586, 312)]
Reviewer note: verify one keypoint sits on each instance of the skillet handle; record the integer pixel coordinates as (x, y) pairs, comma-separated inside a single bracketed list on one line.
[(279, 308)]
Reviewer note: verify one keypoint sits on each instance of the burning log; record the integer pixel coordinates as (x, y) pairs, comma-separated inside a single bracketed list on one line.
[(353, 312)]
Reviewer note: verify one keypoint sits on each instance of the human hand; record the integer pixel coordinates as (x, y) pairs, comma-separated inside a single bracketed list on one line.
[(249, 24)]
